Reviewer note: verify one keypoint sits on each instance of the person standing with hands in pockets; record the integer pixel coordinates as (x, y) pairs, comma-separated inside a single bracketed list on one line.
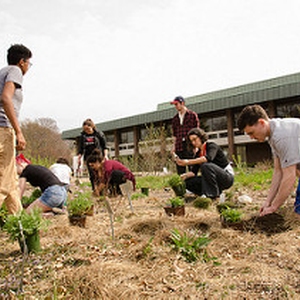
[(11, 85), (182, 123), (91, 139)]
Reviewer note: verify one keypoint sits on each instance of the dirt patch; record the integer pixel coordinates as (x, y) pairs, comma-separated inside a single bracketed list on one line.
[(268, 224)]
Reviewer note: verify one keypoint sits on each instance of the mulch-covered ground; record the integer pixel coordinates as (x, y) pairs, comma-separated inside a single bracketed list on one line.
[(258, 259)]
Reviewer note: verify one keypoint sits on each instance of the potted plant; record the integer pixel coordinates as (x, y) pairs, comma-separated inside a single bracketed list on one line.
[(175, 207), (79, 208), (177, 185), (25, 227)]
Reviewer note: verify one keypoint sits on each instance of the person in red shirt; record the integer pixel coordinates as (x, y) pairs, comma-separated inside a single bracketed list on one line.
[(108, 174), (182, 123)]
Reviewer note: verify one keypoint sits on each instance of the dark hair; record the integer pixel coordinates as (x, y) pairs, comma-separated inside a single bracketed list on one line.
[(295, 111), (17, 52), (198, 132), (89, 122), (250, 115), (96, 156), (62, 160)]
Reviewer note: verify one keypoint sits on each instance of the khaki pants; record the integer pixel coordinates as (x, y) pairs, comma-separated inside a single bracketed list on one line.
[(9, 187)]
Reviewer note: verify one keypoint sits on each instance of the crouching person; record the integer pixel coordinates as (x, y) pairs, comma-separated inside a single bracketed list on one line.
[(216, 171), (54, 192), (109, 174)]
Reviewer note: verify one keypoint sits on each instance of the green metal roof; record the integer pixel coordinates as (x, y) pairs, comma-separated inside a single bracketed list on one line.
[(267, 90)]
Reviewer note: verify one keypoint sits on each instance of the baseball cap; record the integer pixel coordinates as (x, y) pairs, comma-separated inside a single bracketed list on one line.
[(20, 158), (177, 99)]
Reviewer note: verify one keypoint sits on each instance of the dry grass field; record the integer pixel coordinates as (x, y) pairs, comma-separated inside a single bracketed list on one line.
[(140, 262)]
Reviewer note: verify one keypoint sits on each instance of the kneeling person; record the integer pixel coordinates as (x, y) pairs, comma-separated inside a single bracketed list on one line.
[(216, 171), (54, 192)]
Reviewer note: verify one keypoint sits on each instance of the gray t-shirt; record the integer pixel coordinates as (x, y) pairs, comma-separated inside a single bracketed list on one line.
[(285, 141), (11, 74)]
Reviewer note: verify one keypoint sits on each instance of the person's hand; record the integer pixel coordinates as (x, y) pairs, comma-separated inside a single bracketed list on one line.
[(184, 176), (181, 162), (21, 142), (265, 210)]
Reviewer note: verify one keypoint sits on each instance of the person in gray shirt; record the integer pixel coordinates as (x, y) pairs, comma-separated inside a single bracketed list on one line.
[(283, 135), (11, 84)]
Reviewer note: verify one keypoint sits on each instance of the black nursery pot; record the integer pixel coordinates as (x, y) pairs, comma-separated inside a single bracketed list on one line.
[(77, 220), (175, 211)]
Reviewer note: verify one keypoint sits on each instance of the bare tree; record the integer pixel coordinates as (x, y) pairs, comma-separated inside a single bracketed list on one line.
[(44, 142)]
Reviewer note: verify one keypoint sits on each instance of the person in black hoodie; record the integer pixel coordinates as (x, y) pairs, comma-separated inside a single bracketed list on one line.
[(91, 139)]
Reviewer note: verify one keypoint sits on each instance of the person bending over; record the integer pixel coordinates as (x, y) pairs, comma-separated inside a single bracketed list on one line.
[(108, 174), (54, 192), (283, 135)]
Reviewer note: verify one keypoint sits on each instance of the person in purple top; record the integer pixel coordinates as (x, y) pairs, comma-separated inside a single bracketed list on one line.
[(108, 173)]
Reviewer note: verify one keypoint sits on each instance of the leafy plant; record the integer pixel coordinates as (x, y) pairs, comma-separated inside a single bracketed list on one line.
[(231, 215), (81, 204), (176, 202), (225, 205), (30, 223), (201, 202), (3, 215), (190, 248), (177, 184)]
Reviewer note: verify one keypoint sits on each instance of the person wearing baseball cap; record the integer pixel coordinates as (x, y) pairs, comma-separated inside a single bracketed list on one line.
[(182, 123)]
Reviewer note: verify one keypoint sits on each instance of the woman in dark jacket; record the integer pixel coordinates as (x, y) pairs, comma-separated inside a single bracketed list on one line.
[(91, 139), (216, 171)]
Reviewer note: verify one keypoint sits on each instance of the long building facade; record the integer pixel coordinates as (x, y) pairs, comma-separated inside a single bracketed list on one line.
[(218, 112)]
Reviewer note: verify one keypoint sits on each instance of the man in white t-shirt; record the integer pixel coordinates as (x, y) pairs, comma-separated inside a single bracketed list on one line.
[(283, 136)]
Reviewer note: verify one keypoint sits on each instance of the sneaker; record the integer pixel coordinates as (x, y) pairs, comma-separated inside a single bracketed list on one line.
[(59, 211)]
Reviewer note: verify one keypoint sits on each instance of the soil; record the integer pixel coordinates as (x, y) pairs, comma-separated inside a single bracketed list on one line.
[(133, 256)]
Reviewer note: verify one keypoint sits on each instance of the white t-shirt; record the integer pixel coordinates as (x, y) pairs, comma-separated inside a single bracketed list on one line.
[(285, 141), (62, 171)]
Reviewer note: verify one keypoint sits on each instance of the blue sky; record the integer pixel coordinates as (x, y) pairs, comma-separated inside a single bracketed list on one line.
[(108, 59)]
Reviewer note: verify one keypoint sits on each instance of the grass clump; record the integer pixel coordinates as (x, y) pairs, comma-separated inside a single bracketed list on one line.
[(202, 202), (191, 248)]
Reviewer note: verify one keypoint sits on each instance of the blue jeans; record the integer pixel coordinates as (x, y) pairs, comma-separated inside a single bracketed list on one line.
[(297, 201), (54, 196)]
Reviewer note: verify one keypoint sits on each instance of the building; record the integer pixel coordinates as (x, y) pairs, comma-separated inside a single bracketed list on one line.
[(218, 112)]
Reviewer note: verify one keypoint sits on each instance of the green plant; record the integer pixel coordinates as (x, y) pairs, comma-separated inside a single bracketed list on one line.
[(30, 223), (225, 205), (26, 201), (190, 248), (176, 202), (80, 204), (201, 202), (175, 180), (231, 215), (177, 184), (3, 215)]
